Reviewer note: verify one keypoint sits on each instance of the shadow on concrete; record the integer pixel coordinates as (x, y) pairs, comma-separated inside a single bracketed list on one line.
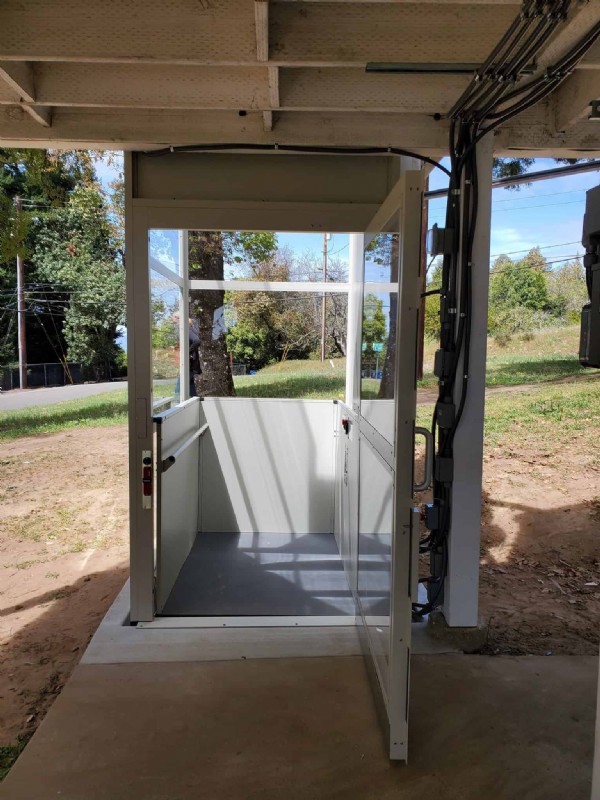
[(40, 656)]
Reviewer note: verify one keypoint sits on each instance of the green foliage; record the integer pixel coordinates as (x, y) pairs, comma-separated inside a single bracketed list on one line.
[(73, 276), (567, 291), (374, 327), (73, 252), (520, 285)]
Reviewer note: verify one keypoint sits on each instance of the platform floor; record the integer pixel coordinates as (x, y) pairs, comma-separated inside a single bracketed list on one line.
[(261, 574), (305, 728)]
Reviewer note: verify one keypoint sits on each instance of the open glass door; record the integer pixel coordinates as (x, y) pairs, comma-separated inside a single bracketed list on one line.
[(176, 411), (387, 539)]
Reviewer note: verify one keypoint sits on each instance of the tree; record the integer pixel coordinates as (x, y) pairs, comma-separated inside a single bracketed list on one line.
[(567, 291), (271, 327), (62, 208), (208, 253), (523, 284), (73, 251)]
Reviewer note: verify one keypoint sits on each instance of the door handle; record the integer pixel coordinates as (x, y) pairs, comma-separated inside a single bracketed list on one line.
[(428, 472)]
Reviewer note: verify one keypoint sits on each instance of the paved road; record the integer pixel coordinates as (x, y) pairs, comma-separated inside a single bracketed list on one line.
[(11, 401)]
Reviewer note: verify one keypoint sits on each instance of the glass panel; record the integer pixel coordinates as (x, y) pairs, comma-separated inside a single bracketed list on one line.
[(234, 255), (164, 302), (268, 344), (381, 258), (378, 351), (375, 553), (165, 248)]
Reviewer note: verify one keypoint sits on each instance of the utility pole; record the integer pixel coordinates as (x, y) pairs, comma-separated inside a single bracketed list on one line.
[(326, 237), (21, 310)]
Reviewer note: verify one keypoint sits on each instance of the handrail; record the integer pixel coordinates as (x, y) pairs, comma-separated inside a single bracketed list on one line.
[(168, 462)]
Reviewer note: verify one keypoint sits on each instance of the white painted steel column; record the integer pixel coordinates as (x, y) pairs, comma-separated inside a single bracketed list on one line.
[(184, 319), (353, 334), (461, 591), (596, 774), (139, 380)]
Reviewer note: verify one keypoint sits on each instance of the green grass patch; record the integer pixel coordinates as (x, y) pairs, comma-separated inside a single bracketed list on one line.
[(307, 380), (109, 408), (96, 411), (547, 416), (10, 753)]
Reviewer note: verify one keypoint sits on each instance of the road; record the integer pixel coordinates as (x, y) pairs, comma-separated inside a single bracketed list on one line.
[(14, 400)]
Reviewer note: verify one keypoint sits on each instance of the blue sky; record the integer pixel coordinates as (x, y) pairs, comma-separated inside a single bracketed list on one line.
[(547, 214)]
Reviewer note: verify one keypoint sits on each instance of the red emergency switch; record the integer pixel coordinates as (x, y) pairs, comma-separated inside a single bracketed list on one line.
[(346, 425), (147, 481)]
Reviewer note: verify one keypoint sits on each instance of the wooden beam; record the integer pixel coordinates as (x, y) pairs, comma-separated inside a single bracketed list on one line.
[(41, 114), (573, 99), (581, 20), (151, 86), (268, 120), (515, 5), (224, 32), (261, 21), (141, 130), (274, 87), (19, 76), (323, 34), (345, 89), (592, 59)]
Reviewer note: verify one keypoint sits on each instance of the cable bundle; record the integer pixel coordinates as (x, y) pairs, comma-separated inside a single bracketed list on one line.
[(492, 98)]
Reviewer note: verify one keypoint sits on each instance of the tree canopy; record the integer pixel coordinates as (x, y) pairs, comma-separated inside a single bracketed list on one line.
[(74, 277)]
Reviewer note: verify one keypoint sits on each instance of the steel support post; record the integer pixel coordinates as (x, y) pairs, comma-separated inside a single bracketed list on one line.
[(461, 591), (139, 380)]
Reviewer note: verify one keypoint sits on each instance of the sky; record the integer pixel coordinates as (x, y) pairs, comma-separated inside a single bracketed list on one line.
[(547, 214)]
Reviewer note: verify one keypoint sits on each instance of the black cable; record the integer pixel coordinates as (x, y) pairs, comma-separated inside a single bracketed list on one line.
[(297, 148)]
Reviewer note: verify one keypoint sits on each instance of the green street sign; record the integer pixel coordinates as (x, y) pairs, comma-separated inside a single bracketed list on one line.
[(377, 347)]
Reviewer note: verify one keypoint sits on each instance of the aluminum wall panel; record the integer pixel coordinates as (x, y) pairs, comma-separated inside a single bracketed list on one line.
[(267, 466), (177, 495)]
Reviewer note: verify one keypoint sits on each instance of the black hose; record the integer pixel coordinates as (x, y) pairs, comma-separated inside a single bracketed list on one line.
[(296, 148)]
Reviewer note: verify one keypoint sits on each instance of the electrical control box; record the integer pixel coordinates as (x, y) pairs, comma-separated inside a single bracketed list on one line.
[(589, 343), (439, 241)]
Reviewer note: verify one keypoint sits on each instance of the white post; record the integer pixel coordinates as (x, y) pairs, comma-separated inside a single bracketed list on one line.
[(355, 278), (461, 591), (139, 380), (184, 319)]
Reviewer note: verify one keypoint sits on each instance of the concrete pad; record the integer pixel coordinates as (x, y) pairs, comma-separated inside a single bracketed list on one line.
[(481, 727), (117, 642)]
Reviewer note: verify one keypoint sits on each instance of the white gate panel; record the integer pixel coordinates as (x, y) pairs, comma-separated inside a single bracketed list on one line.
[(177, 493), (267, 466)]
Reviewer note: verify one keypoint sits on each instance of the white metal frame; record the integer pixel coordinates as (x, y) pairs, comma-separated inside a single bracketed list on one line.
[(405, 201)]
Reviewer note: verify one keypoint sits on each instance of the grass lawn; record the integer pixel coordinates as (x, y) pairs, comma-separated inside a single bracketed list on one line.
[(544, 416), (548, 357), (99, 410)]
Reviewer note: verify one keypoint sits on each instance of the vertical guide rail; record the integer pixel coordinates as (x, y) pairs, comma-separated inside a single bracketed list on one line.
[(139, 359), (184, 319), (406, 402), (354, 327)]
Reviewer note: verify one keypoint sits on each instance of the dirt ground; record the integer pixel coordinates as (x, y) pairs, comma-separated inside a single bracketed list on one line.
[(63, 555), (63, 558)]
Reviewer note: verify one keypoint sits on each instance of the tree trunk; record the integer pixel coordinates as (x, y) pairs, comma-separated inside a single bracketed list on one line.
[(388, 376), (206, 263)]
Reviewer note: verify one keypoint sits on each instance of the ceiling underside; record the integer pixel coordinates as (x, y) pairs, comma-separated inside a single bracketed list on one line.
[(139, 74)]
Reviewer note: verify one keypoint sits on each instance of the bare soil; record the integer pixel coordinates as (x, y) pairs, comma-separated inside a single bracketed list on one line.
[(63, 556)]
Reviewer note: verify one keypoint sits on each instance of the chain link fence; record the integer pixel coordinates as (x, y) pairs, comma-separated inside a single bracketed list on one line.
[(42, 375)]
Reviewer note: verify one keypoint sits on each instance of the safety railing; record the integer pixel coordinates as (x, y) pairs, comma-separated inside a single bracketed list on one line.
[(171, 459)]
